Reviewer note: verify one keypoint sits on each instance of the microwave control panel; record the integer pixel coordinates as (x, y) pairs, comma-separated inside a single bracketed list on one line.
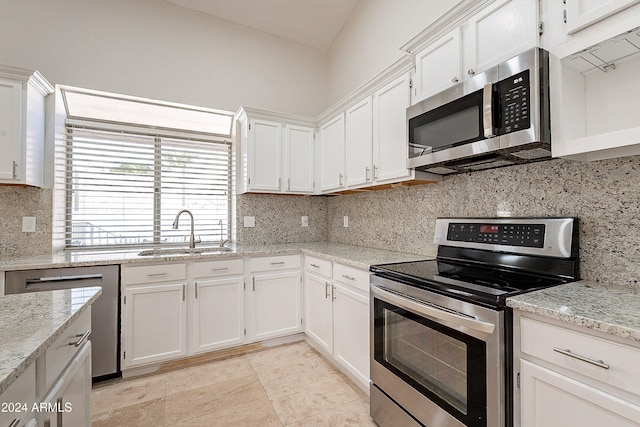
[(513, 95), (527, 235)]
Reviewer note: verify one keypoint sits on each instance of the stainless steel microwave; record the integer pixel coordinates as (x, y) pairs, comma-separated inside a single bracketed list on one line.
[(496, 118)]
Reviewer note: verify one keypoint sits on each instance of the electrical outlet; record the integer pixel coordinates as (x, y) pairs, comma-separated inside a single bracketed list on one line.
[(345, 221), (249, 221), (28, 224), (305, 221)]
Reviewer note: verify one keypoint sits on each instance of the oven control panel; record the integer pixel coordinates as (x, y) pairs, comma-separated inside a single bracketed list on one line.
[(526, 235)]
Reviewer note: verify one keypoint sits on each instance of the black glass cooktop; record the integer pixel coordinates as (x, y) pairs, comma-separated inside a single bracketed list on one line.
[(479, 284)]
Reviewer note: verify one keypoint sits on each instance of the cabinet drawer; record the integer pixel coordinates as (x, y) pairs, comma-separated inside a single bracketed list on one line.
[(153, 273), (60, 353), (569, 349), (317, 266), (218, 268), (281, 262), (351, 276)]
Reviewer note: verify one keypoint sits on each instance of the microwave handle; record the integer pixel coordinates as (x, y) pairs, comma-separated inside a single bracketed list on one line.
[(487, 110)]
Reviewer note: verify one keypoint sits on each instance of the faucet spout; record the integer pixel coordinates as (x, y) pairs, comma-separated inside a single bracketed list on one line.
[(192, 240), (222, 241)]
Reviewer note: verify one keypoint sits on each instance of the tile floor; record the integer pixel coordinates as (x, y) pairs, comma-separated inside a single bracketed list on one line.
[(289, 385)]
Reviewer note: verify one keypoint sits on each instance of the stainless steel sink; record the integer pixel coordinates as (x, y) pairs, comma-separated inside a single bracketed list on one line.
[(184, 251)]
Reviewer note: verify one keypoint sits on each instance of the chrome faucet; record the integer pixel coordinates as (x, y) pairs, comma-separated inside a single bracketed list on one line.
[(222, 242), (192, 240)]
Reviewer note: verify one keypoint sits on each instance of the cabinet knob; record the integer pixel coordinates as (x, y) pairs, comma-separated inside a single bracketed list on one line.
[(471, 71), (454, 79)]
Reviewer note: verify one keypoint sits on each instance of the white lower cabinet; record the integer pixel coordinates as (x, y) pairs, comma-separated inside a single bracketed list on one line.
[(18, 400), (337, 321), (275, 304), (154, 323), (218, 312), (569, 376), (351, 331), (69, 400), (318, 310)]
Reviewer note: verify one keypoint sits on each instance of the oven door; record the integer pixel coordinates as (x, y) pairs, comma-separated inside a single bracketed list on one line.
[(438, 360)]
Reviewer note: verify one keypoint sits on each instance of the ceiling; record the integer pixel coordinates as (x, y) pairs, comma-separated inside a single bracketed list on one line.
[(315, 23)]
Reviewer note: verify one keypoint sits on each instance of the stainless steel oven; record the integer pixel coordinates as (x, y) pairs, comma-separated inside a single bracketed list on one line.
[(436, 357), (497, 118), (441, 333)]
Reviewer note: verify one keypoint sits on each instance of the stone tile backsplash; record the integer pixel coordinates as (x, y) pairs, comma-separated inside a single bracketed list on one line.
[(605, 195)]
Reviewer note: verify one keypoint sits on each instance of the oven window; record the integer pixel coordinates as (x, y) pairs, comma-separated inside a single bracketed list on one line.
[(455, 123), (445, 365)]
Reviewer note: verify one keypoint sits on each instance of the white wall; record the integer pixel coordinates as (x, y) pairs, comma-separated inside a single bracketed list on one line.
[(371, 40), (154, 49)]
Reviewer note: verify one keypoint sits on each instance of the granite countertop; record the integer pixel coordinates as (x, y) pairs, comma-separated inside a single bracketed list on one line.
[(354, 256), (612, 309), (29, 323)]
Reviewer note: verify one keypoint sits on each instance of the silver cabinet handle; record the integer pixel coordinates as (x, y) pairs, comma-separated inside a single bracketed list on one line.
[(196, 286), (471, 71), (59, 415), (156, 274), (366, 173), (314, 265), (326, 289), (253, 279), (348, 277), (220, 269), (567, 352), (288, 184), (375, 172), (333, 293), (81, 338), (16, 421), (15, 175), (341, 179), (454, 80), (184, 291), (278, 263)]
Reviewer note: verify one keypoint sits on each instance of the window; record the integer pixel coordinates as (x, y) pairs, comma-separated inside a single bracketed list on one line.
[(125, 184)]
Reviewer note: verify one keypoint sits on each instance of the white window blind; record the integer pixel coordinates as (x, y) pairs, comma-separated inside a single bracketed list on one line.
[(125, 188)]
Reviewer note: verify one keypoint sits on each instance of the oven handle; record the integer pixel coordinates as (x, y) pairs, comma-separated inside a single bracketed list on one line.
[(487, 110), (433, 312)]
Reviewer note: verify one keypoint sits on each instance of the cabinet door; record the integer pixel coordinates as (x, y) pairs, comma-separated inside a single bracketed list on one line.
[(550, 399), (318, 311), (10, 130), (582, 13), (299, 159), (332, 154), (70, 396), (351, 332), (265, 155), (438, 66), (358, 143), (390, 147), (499, 32), (19, 398), (154, 325), (218, 313), (275, 305)]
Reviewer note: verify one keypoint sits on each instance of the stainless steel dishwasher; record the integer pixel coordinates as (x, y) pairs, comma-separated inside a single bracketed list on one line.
[(105, 312)]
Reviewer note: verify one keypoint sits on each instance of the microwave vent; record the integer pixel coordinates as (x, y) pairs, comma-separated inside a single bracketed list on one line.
[(533, 154), (441, 170), (489, 165)]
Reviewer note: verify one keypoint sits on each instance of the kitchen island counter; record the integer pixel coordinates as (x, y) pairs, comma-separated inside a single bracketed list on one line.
[(611, 309), (30, 322)]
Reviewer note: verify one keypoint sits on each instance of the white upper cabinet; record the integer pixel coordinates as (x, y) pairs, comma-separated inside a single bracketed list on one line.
[(498, 32), (275, 155), (358, 140), (582, 13), (332, 154), (298, 158), (22, 124), (390, 148), (265, 155), (439, 66)]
